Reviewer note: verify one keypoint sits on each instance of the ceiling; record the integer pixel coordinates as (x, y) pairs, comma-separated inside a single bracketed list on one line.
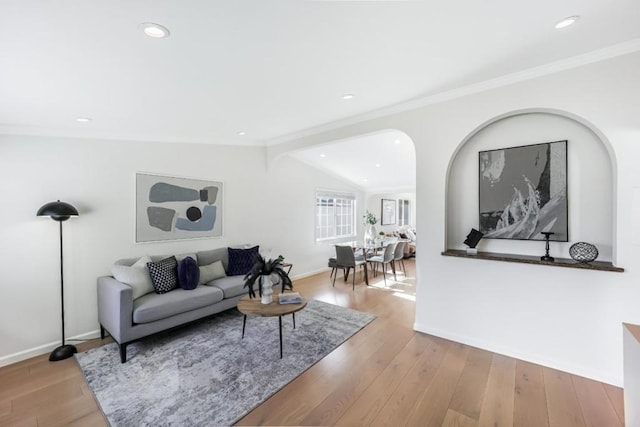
[(267, 68), (380, 163)]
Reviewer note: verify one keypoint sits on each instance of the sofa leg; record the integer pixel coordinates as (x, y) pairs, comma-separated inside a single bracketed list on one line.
[(102, 332), (123, 353)]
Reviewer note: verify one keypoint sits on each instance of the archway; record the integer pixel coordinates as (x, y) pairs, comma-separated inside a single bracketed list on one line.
[(591, 179)]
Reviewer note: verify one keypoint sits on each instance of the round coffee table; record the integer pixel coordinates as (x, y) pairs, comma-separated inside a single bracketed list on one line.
[(253, 307)]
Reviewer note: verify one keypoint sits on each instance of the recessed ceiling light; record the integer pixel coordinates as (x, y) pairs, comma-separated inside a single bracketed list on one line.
[(242, 133), (83, 119), (154, 30), (567, 21), (323, 155), (397, 141), (348, 96), (377, 165)]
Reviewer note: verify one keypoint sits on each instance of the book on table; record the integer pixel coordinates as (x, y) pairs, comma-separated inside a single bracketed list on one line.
[(289, 298)]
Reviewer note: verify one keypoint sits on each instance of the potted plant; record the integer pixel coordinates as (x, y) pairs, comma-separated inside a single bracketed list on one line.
[(263, 269)]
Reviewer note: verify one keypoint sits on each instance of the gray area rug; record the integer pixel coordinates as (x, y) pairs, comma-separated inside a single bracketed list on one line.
[(205, 374)]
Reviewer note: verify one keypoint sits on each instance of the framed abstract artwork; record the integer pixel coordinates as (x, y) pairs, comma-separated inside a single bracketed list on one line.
[(172, 208), (523, 192), (388, 214)]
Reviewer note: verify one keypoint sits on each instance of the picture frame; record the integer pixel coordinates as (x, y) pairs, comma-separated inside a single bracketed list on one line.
[(388, 212), (175, 208), (523, 192)]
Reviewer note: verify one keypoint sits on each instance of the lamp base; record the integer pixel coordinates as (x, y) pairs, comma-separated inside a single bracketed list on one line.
[(62, 352), (547, 258)]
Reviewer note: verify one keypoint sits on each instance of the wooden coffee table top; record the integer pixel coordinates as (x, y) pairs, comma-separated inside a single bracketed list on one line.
[(253, 307)]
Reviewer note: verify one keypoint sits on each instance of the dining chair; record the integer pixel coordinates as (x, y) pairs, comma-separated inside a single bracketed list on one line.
[(346, 260), (384, 259), (398, 255), (333, 265)]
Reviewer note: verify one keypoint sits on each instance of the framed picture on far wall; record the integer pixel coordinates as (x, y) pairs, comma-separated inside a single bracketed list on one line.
[(523, 191), (388, 213)]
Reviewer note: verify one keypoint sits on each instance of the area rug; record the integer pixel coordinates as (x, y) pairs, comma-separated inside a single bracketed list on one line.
[(205, 374)]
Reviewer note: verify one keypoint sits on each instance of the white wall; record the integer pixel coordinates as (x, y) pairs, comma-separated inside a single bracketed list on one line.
[(274, 208), (565, 318), (374, 205)]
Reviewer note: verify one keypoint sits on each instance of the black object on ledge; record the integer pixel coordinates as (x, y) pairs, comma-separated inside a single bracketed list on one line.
[(473, 238), (546, 256)]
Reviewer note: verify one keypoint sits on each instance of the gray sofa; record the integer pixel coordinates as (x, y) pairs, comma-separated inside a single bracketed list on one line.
[(128, 320)]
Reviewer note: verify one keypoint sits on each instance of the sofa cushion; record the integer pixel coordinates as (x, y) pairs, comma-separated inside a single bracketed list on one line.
[(212, 255), (188, 273), (241, 260), (136, 276), (231, 286), (211, 272), (152, 307), (164, 274), (181, 257)]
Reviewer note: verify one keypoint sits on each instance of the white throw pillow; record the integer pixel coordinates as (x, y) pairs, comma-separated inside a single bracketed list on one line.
[(137, 276), (211, 272), (410, 235)]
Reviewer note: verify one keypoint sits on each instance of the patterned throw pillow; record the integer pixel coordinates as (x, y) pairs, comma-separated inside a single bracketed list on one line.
[(241, 260), (188, 273), (164, 274)]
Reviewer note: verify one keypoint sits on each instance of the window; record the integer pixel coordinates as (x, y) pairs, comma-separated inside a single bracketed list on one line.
[(335, 216), (403, 212)]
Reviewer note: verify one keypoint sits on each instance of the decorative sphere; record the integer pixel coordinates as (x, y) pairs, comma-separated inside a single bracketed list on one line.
[(583, 252)]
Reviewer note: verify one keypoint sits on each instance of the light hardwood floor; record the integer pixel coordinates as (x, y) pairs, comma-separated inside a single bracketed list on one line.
[(386, 374)]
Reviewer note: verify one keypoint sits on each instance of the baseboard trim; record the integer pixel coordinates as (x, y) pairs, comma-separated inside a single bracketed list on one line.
[(44, 349), (310, 273), (507, 351)]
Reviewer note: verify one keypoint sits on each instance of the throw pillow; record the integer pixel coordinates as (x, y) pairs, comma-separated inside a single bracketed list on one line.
[(181, 257), (211, 272), (241, 260), (188, 273), (163, 275), (411, 236), (136, 276)]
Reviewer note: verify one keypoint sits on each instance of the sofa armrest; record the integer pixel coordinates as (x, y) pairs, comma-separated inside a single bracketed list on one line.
[(115, 307)]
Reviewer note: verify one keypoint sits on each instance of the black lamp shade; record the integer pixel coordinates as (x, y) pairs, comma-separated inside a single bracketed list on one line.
[(58, 211)]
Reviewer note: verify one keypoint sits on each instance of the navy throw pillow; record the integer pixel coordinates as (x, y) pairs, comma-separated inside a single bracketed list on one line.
[(241, 260), (188, 273)]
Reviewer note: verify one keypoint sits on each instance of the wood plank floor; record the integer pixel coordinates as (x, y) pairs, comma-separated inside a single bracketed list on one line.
[(386, 374)]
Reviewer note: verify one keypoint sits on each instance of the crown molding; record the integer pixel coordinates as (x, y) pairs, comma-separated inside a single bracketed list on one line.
[(609, 52), (103, 136)]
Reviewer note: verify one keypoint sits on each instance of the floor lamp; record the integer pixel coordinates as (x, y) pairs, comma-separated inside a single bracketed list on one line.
[(60, 211)]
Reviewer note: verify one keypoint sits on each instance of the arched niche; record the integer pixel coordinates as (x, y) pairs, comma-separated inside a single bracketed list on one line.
[(591, 183)]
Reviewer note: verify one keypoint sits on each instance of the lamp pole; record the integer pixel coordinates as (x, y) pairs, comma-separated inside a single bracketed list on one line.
[(60, 211), (61, 282)]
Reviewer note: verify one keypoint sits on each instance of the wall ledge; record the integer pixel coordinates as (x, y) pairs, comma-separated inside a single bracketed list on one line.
[(527, 259)]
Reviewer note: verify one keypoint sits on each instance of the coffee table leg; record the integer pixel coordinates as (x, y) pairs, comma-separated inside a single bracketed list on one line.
[(244, 323), (280, 324), (294, 320)]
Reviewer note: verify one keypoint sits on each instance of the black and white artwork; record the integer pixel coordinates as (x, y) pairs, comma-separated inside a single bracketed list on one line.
[(171, 208), (523, 192)]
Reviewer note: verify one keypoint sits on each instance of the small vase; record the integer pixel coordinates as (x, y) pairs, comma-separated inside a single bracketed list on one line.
[(369, 233), (267, 289)]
